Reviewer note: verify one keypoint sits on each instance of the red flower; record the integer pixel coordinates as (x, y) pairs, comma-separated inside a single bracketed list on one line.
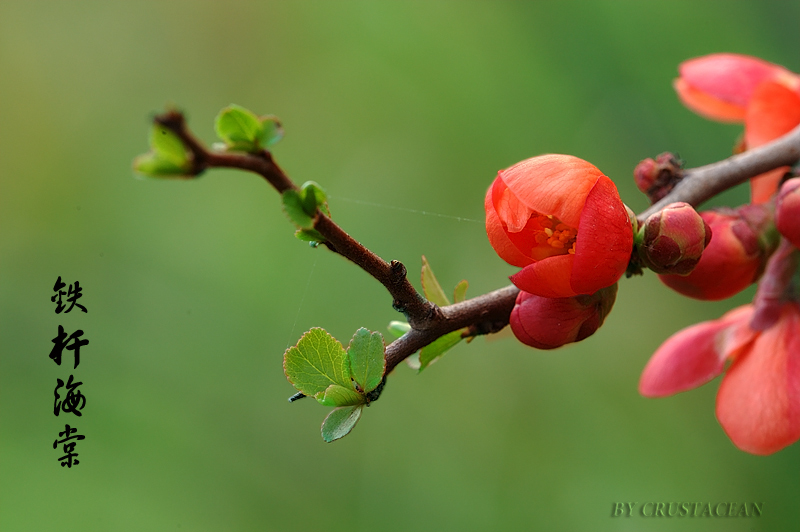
[(548, 323), (758, 403), (736, 88), (561, 220)]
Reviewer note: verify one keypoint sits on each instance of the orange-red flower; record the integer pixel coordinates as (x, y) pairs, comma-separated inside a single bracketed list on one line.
[(561, 220), (758, 403), (551, 322), (740, 88)]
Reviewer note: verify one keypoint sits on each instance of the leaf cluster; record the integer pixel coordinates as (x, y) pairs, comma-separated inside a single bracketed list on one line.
[(348, 379)]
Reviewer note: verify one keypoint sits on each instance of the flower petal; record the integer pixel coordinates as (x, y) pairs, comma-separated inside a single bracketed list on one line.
[(498, 238), (547, 278), (605, 240), (729, 78), (552, 184), (706, 105), (774, 110), (695, 355), (758, 404)]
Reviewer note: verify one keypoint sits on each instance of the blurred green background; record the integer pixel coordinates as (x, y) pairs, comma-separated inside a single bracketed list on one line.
[(402, 111)]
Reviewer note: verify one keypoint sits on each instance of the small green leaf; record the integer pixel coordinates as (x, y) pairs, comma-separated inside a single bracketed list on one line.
[(317, 361), (340, 422), (413, 361), (309, 235), (239, 128), (313, 197), (152, 165), (431, 287), (437, 348), (168, 146), (336, 395), (167, 156), (272, 130), (398, 328), (460, 293), (293, 207), (367, 362)]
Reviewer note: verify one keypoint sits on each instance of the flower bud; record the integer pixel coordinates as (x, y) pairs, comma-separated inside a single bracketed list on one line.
[(674, 239), (547, 323), (787, 211), (657, 177), (733, 259)]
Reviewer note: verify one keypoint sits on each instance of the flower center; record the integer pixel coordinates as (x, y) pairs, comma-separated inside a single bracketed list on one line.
[(550, 236), (543, 234)]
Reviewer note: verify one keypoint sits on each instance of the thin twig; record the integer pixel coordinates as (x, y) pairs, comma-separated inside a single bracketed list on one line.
[(704, 182), (391, 275)]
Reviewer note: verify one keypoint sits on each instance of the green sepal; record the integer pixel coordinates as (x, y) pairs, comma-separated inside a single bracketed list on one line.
[(437, 348), (340, 422), (240, 129), (336, 395), (431, 287), (316, 362), (398, 328), (367, 361)]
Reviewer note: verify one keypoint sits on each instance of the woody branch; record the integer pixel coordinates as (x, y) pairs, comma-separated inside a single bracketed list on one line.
[(489, 312)]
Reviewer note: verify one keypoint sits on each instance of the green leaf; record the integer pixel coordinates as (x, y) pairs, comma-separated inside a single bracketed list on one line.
[(293, 207), (413, 361), (340, 422), (431, 287), (437, 348), (398, 328), (313, 197), (317, 361), (168, 146), (367, 362), (167, 156), (239, 128), (272, 130), (336, 395), (152, 165), (460, 293), (309, 235)]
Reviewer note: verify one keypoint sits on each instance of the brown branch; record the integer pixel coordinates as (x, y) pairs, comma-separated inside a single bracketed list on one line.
[(484, 314), (490, 312), (391, 275), (704, 182)]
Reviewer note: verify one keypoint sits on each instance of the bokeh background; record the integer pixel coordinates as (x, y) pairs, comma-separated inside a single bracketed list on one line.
[(403, 112)]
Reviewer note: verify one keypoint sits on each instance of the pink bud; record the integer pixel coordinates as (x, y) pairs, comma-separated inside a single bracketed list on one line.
[(674, 239), (735, 257), (657, 177), (787, 211), (547, 323)]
